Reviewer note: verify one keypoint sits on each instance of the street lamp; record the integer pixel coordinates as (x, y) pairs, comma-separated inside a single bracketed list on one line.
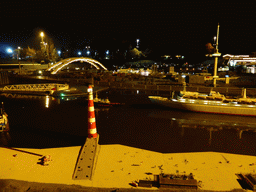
[(9, 50), (19, 59), (18, 56), (137, 40), (214, 40), (42, 36)]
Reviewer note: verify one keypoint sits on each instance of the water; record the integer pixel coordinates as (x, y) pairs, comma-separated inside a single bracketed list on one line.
[(45, 122)]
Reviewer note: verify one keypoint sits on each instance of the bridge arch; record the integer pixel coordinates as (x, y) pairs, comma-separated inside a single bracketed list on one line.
[(59, 65)]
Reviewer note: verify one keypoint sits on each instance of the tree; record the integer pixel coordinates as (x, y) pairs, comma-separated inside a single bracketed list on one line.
[(48, 51), (52, 55), (209, 48), (29, 52), (135, 53)]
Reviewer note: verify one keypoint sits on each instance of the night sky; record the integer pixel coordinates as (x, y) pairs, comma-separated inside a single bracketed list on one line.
[(183, 27)]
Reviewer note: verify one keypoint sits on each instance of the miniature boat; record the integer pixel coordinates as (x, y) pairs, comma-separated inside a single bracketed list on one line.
[(104, 102), (212, 103)]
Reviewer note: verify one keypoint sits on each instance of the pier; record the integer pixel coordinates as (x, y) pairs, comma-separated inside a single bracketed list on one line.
[(168, 89)]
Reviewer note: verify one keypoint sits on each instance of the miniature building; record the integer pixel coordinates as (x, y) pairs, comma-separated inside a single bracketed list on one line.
[(171, 181)]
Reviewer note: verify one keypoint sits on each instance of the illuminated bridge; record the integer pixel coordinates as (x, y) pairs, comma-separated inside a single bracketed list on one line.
[(35, 87), (58, 66)]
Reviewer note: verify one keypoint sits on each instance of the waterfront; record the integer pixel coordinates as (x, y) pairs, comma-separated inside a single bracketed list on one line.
[(46, 122)]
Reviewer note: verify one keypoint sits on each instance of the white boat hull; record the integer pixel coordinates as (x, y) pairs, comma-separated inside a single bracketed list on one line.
[(206, 106)]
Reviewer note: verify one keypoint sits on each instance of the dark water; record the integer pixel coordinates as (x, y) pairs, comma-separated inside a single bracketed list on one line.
[(41, 122)]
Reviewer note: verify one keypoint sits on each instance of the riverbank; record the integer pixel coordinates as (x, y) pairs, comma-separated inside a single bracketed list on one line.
[(117, 167)]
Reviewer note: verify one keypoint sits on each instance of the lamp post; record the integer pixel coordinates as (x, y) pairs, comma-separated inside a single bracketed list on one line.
[(19, 59), (216, 54), (43, 46), (42, 36)]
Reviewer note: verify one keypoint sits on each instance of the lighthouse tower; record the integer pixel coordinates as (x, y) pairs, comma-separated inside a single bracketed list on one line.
[(87, 157)]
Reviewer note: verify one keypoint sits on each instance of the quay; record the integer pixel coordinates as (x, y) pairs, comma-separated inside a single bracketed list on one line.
[(116, 168)]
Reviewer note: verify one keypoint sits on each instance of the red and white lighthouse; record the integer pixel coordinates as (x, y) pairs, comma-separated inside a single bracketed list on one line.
[(92, 131)]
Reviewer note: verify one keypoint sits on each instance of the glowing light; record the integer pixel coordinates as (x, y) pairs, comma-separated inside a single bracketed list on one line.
[(79, 53), (89, 90), (42, 34), (9, 50), (137, 91), (47, 100)]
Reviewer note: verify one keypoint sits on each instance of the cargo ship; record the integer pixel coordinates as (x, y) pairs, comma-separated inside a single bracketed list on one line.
[(209, 103)]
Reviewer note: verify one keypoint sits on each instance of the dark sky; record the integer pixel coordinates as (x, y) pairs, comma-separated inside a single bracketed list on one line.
[(169, 27)]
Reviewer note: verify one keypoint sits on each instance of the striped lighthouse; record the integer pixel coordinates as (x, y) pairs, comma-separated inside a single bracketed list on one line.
[(92, 131)]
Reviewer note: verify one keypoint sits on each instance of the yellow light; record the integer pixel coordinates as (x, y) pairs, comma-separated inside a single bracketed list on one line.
[(47, 101), (42, 34)]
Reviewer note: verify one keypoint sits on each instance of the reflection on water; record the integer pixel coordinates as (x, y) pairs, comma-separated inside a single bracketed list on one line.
[(203, 120), (209, 122), (45, 121)]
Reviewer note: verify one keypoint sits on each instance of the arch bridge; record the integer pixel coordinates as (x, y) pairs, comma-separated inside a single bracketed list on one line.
[(59, 65)]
